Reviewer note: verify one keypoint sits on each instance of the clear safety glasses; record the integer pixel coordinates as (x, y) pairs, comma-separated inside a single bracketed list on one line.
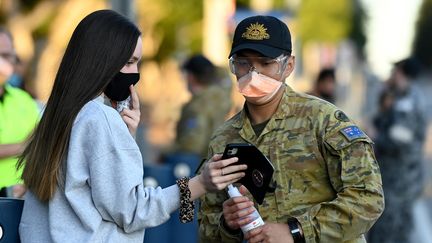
[(241, 66)]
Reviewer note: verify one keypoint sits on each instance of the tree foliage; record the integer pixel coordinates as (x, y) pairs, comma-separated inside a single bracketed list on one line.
[(325, 21), (242, 3), (357, 33), (180, 27)]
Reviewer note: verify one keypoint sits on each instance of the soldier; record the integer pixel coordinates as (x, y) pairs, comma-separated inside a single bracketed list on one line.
[(207, 109), (400, 127), (325, 85), (328, 183)]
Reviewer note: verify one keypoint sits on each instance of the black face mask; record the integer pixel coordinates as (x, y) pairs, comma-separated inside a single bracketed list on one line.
[(118, 88)]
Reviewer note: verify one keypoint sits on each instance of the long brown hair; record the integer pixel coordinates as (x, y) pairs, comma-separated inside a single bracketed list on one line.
[(100, 46)]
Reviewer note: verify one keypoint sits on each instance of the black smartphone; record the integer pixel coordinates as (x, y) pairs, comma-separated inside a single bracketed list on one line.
[(259, 172)]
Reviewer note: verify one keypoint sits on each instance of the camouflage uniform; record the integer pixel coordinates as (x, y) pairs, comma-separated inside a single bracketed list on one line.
[(401, 134), (326, 178), (200, 117)]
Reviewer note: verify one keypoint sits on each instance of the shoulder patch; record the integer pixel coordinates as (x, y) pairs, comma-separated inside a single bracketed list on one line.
[(341, 116), (191, 123), (352, 132)]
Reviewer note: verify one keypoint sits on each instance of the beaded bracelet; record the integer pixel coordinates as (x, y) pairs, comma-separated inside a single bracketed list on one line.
[(186, 205)]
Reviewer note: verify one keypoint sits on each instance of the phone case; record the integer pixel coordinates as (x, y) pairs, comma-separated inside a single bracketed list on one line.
[(259, 172)]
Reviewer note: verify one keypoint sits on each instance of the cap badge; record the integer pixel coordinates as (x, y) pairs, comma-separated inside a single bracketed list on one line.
[(256, 32)]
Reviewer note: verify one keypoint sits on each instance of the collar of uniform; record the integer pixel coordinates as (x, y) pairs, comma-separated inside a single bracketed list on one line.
[(284, 107), (282, 111), (240, 118)]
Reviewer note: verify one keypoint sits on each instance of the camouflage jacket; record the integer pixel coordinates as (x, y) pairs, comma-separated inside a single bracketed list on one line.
[(325, 170), (200, 117)]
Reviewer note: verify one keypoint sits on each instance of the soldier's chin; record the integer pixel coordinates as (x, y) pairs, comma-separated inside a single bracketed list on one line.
[(258, 100)]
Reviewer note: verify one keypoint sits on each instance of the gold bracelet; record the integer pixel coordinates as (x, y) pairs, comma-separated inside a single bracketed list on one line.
[(187, 206)]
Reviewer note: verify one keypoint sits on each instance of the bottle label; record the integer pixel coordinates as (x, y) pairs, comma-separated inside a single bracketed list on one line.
[(252, 225)]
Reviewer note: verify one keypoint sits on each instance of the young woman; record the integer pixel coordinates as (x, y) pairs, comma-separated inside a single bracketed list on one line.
[(82, 166)]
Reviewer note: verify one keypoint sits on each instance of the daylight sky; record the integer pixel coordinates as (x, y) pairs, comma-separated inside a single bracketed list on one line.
[(390, 32)]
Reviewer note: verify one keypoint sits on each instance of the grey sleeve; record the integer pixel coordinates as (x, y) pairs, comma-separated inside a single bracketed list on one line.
[(115, 171), (120, 197)]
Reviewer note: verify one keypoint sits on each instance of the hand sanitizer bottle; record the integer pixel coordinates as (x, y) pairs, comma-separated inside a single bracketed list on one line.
[(257, 220)]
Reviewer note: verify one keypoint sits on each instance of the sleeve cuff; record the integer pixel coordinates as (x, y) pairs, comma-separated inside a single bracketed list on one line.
[(307, 228), (225, 233)]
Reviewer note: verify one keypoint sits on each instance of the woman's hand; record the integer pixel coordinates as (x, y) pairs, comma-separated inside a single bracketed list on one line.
[(131, 116), (217, 174)]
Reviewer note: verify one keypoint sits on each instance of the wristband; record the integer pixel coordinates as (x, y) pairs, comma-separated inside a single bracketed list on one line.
[(227, 229), (186, 206), (294, 228)]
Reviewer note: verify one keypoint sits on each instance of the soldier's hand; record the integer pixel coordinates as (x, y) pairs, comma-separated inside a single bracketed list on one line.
[(237, 209), (218, 174), (270, 232)]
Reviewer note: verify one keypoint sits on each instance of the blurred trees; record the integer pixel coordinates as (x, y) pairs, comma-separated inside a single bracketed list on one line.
[(174, 25), (422, 46), (171, 30), (324, 21), (332, 21), (357, 33)]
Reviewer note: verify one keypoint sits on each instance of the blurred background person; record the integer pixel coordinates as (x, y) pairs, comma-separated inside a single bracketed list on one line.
[(16, 79), (383, 119), (19, 114), (205, 111), (325, 85), (400, 133)]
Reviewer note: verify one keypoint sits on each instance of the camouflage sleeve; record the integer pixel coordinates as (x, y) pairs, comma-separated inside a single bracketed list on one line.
[(354, 174), (192, 132), (210, 218)]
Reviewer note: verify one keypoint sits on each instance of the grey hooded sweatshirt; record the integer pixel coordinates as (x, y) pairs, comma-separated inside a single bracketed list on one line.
[(104, 199)]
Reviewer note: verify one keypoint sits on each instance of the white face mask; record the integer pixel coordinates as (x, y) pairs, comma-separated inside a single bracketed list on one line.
[(258, 88)]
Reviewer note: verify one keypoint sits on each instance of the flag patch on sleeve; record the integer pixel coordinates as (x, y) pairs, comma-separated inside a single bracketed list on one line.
[(352, 132)]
